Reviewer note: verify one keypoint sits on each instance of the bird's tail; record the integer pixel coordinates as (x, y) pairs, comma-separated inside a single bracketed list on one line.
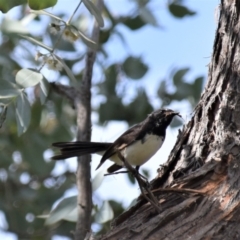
[(74, 149)]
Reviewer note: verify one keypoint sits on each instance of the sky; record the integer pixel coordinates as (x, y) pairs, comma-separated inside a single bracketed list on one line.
[(176, 44)]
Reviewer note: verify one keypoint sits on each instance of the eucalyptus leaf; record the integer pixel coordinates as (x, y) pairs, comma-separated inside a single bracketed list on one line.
[(23, 113), (87, 41), (8, 89), (134, 23), (38, 5), (180, 11), (97, 180), (105, 213), (44, 84), (67, 69), (197, 88), (94, 11), (28, 78), (7, 5), (178, 77), (134, 67), (3, 115), (62, 210), (11, 26), (147, 16), (44, 89)]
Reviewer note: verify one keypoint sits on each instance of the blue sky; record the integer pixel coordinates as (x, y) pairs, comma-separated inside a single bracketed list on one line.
[(177, 44)]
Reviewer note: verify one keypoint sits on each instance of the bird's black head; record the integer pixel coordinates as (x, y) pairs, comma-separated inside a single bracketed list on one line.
[(162, 118)]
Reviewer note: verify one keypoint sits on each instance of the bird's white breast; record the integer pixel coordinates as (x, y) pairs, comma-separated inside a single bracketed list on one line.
[(140, 152)]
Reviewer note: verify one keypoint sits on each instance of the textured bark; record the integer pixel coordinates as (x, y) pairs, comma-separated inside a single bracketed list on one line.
[(206, 157)]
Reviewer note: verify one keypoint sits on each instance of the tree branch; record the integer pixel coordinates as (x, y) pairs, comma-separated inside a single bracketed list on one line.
[(82, 104)]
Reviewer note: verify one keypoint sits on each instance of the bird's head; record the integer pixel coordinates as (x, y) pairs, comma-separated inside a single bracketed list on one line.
[(163, 116)]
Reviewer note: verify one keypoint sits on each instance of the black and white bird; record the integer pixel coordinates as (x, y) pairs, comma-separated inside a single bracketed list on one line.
[(137, 145)]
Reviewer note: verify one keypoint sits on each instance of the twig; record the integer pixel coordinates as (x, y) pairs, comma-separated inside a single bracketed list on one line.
[(69, 92), (109, 174)]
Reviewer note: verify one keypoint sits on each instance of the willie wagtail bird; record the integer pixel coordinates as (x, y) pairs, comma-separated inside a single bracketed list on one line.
[(137, 145)]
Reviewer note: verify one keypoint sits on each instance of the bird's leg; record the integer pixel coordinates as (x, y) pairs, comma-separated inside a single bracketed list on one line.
[(141, 183), (143, 177)]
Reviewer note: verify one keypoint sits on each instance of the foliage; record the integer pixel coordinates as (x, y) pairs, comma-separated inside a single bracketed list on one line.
[(33, 116)]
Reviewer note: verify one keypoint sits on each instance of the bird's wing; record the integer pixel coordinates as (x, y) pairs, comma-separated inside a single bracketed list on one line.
[(124, 140)]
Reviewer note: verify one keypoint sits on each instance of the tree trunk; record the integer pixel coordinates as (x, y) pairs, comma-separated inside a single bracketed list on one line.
[(206, 157)]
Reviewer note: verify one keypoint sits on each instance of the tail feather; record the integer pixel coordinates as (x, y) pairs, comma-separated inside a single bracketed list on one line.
[(74, 149)]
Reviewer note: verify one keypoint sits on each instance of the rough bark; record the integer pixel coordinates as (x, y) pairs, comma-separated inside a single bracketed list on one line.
[(206, 157)]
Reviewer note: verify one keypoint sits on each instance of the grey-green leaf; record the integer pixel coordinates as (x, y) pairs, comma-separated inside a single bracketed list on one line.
[(23, 113), (105, 213), (11, 26), (180, 11), (28, 78), (7, 5), (94, 11), (148, 17), (8, 89), (44, 86), (97, 180), (3, 115), (134, 67), (178, 79), (62, 210), (38, 5)]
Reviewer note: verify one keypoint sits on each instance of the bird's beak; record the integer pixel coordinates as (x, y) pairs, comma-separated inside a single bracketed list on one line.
[(174, 113), (178, 114)]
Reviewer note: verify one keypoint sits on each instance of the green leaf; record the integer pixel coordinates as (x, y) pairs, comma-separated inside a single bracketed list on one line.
[(197, 88), (105, 213), (97, 180), (38, 5), (62, 45), (28, 78), (104, 35), (7, 5), (62, 210), (178, 76), (131, 178), (44, 86), (11, 26), (3, 115), (134, 23), (8, 89), (87, 41), (67, 69), (180, 11), (148, 17), (145, 172), (94, 11), (134, 67), (23, 113)]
